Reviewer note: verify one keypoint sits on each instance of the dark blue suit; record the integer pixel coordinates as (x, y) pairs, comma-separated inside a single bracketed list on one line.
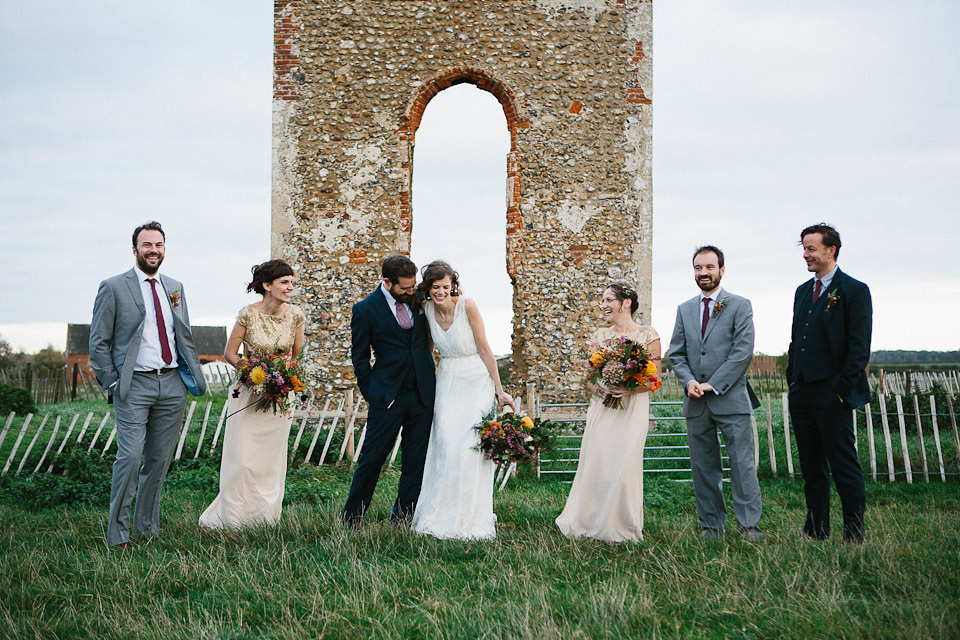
[(399, 389), (827, 373)]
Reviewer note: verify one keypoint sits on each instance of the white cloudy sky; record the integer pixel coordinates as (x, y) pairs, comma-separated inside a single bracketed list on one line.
[(768, 116)]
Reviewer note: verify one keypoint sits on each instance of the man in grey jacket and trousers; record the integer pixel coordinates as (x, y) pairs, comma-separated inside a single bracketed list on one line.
[(142, 351), (711, 348)]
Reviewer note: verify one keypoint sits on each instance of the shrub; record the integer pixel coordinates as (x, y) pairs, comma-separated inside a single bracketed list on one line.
[(16, 399)]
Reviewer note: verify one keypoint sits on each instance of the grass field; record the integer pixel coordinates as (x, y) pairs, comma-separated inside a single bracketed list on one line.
[(309, 578)]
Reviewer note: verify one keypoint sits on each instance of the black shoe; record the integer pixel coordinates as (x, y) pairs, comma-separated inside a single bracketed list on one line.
[(711, 534), (753, 534)]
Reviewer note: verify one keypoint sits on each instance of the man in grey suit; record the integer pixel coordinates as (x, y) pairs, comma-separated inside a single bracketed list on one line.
[(142, 351), (710, 351)]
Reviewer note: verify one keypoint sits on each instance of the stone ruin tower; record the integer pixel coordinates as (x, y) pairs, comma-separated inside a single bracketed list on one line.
[(351, 81)]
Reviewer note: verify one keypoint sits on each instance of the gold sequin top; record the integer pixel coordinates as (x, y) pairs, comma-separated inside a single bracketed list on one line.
[(266, 332)]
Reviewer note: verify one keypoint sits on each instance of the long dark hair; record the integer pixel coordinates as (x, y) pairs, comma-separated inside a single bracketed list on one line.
[(434, 271)]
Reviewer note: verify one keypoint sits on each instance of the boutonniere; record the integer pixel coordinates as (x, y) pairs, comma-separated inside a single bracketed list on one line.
[(175, 298), (718, 307), (833, 298)]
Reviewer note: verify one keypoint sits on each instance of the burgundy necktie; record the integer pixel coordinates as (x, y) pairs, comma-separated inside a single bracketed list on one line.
[(161, 326), (403, 317), (816, 290), (706, 317)]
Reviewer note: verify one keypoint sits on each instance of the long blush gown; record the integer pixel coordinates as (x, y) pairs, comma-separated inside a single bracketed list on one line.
[(254, 465), (606, 499)]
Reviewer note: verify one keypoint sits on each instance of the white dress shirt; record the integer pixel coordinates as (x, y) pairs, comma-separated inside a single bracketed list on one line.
[(150, 356)]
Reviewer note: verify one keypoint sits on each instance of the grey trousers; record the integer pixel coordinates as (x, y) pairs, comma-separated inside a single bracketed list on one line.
[(149, 418), (708, 470)]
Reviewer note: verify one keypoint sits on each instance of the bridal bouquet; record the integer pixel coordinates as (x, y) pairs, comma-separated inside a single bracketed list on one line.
[(619, 362), (512, 438), (271, 377)]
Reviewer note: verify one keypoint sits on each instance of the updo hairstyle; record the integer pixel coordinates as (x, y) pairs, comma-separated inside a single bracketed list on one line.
[(267, 272), (434, 271), (623, 292)]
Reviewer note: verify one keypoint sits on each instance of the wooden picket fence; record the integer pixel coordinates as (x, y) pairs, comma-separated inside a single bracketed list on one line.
[(345, 414)]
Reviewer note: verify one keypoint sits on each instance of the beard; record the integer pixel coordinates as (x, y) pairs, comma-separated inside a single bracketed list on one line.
[(708, 283), (145, 266), (403, 298)]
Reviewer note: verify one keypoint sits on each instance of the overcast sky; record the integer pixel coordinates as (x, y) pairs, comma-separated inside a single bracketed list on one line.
[(767, 117)]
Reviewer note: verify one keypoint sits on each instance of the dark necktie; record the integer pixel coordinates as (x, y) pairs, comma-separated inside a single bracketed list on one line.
[(816, 290), (706, 317), (403, 317), (161, 325)]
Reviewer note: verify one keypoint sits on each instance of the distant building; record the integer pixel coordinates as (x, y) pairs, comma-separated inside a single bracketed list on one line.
[(210, 343)]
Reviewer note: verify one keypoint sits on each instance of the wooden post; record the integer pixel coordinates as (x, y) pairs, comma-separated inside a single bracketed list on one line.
[(66, 437), (333, 427), (186, 427), (903, 439), (348, 435), (953, 421), (396, 448), (73, 387), (786, 432), (923, 446), (326, 443), (33, 441), (96, 435), (886, 437), (203, 429), (296, 441), (16, 445), (113, 434), (6, 427), (936, 438), (773, 457), (53, 436), (871, 443), (220, 423), (531, 398), (83, 430)]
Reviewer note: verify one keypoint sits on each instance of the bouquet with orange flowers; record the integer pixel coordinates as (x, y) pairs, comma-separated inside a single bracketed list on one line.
[(619, 362), (271, 377), (512, 438)]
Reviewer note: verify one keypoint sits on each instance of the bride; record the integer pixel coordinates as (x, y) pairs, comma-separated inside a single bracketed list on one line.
[(456, 499)]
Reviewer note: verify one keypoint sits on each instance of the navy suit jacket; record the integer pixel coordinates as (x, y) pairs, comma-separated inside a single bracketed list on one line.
[(830, 340), (375, 330)]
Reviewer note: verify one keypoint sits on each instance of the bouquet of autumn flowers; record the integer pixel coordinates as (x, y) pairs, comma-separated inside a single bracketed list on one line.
[(512, 438), (619, 362), (271, 377)]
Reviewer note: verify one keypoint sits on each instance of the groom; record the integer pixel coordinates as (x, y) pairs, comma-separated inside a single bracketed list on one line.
[(711, 348), (142, 352), (398, 388)]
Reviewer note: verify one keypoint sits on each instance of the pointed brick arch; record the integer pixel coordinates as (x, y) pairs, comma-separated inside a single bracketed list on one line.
[(413, 114)]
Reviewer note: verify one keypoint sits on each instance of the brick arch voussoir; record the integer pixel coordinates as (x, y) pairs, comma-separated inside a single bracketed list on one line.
[(482, 79)]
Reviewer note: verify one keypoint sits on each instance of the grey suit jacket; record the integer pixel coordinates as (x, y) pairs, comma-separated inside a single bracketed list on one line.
[(117, 327), (721, 356)]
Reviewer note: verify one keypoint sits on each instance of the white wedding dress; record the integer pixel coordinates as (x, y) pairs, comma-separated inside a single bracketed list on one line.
[(456, 498)]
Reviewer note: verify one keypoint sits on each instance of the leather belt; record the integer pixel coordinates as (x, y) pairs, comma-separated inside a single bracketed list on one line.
[(158, 372)]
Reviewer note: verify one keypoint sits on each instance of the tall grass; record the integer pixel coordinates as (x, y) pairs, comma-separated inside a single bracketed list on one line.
[(308, 577)]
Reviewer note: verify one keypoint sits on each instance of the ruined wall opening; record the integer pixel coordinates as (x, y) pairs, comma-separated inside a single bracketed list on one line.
[(459, 213)]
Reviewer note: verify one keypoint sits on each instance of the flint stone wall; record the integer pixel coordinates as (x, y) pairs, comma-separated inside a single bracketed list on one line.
[(351, 82)]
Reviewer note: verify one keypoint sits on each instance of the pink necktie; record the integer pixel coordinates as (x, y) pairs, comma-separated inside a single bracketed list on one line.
[(706, 317), (816, 290), (403, 317), (161, 326)]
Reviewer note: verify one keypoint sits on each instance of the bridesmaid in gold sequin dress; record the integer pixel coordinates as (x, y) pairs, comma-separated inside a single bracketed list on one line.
[(254, 465)]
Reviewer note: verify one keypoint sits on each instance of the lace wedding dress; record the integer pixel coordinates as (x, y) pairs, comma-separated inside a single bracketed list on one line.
[(456, 498)]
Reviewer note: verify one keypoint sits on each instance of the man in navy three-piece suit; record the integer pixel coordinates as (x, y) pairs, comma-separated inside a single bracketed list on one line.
[(827, 373), (399, 388)]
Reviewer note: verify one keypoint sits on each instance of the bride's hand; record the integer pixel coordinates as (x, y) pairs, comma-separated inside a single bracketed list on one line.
[(617, 391), (505, 399)]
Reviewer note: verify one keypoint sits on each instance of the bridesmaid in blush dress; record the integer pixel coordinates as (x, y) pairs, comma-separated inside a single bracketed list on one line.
[(606, 499), (254, 466)]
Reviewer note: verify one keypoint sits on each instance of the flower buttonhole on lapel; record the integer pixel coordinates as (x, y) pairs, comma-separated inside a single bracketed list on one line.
[(175, 298), (833, 298), (718, 307)]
